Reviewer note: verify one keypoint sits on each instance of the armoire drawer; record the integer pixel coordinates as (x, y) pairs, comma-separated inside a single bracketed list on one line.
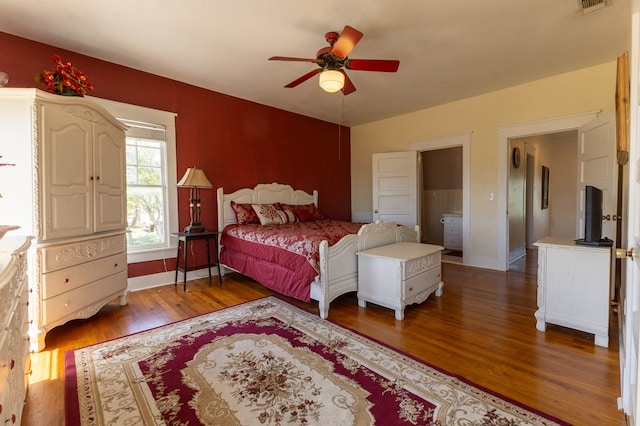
[(63, 280), (80, 299), (62, 256)]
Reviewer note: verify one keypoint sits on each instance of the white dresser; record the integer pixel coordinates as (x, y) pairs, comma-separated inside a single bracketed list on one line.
[(398, 275), (452, 232), (14, 331), (573, 287), (68, 189)]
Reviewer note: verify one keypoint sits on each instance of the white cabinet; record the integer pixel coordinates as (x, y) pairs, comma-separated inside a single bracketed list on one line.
[(452, 233), (68, 189), (573, 287), (83, 178), (14, 330), (398, 275)]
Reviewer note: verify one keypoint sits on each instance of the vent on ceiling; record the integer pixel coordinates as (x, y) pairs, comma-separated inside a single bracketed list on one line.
[(587, 6)]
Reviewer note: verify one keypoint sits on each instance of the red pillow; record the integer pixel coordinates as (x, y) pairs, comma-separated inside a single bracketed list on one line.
[(308, 213), (244, 213)]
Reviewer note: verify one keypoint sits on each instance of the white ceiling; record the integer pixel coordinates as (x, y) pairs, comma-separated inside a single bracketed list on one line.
[(448, 49)]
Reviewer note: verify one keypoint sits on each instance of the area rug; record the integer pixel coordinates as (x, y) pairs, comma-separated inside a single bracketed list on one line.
[(269, 362)]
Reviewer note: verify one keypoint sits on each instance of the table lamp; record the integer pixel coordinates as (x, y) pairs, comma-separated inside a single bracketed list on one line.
[(194, 179)]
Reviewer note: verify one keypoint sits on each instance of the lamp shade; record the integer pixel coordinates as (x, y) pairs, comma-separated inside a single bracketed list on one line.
[(194, 178), (331, 80)]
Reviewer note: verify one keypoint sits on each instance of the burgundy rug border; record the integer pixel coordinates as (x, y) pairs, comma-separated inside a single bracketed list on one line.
[(72, 405), (71, 401)]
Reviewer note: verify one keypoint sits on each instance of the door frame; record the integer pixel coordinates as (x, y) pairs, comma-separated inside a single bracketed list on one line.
[(452, 141), (554, 125)]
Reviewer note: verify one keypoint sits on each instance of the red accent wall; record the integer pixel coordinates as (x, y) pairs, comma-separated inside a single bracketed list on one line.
[(238, 143)]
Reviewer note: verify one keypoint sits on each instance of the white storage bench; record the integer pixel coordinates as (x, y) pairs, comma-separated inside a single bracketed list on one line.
[(398, 275)]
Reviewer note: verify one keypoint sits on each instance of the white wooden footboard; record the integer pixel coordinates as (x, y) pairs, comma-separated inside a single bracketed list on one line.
[(338, 272), (339, 263)]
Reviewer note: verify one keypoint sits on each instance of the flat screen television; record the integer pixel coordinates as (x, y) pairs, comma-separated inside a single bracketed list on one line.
[(593, 218)]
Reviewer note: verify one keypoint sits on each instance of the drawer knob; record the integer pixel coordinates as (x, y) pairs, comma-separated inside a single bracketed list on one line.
[(410, 288), (13, 364), (66, 280), (66, 305), (115, 266)]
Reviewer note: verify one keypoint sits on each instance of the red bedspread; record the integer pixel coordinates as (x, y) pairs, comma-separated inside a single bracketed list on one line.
[(285, 257)]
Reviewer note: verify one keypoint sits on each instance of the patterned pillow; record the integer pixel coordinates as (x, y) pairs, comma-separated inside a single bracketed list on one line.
[(289, 211), (308, 213), (244, 213), (269, 214)]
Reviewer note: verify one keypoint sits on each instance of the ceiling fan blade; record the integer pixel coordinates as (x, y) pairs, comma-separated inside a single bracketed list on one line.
[(348, 84), (346, 42), (382, 65), (286, 58), (304, 78)]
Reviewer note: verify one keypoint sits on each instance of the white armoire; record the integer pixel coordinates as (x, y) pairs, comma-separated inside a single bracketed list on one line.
[(68, 190)]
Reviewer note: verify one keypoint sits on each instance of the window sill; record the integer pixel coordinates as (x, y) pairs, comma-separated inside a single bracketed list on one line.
[(153, 254)]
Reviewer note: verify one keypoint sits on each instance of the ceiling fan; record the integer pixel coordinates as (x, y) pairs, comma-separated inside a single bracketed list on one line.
[(333, 59)]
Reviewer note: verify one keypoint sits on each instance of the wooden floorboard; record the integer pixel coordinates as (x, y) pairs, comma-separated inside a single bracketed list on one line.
[(481, 329)]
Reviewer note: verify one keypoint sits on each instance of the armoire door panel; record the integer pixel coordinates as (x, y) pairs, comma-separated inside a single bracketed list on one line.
[(66, 175), (110, 189)]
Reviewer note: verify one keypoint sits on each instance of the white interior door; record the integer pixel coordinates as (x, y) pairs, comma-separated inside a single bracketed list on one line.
[(395, 187), (597, 167), (630, 292), (630, 281)]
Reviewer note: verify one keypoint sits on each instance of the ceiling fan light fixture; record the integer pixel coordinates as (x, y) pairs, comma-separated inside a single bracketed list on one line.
[(331, 80)]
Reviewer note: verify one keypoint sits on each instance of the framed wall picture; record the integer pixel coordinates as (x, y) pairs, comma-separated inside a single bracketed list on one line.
[(545, 187)]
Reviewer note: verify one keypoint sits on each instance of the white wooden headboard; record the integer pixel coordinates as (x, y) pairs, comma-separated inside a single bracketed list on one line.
[(264, 193)]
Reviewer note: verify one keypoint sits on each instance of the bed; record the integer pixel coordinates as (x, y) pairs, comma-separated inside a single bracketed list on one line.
[(322, 266)]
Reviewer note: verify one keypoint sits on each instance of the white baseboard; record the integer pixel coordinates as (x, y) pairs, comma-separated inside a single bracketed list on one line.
[(165, 278)]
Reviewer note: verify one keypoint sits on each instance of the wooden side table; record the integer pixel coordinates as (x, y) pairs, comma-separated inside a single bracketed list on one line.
[(183, 241), (398, 275)]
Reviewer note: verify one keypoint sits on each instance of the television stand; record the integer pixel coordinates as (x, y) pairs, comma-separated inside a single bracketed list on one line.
[(573, 287)]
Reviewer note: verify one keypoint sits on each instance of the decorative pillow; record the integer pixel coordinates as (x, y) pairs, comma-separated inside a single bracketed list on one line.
[(289, 211), (244, 213), (269, 214), (308, 213)]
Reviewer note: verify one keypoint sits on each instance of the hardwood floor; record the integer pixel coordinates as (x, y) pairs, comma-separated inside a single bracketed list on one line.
[(482, 328)]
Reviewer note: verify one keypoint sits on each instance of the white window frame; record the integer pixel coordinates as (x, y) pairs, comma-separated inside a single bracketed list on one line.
[(166, 119)]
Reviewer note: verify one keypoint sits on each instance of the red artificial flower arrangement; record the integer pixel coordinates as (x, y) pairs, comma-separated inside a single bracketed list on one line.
[(65, 79)]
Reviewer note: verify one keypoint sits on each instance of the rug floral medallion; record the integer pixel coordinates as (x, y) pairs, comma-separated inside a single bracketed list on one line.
[(269, 363)]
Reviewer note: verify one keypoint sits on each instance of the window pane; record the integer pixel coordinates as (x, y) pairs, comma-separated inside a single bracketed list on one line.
[(132, 175), (148, 156), (145, 216), (149, 176), (131, 154)]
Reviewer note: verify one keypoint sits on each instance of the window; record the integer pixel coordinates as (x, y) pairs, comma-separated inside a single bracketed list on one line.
[(152, 211), (146, 187)]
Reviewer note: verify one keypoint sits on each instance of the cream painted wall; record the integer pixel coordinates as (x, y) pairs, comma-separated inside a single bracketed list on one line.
[(580, 91), (564, 184)]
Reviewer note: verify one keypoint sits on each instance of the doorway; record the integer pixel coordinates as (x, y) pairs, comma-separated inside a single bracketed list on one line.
[(441, 201), (537, 208), (463, 142), (505, 134)]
